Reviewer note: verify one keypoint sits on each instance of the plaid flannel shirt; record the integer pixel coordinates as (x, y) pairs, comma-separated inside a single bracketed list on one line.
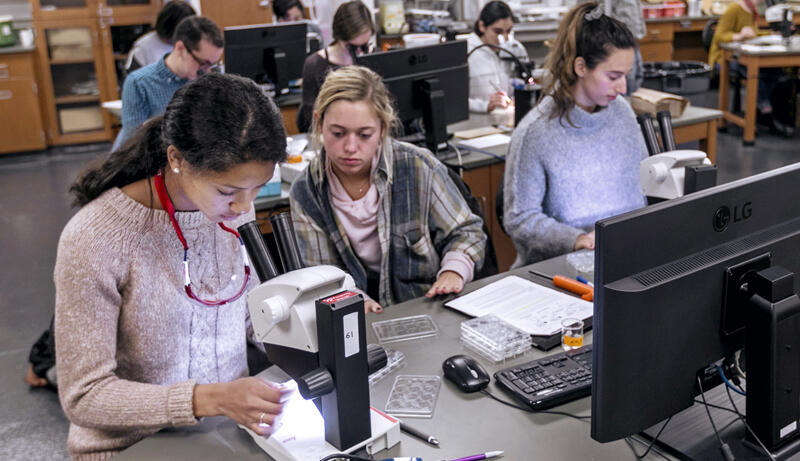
[(421, 216)]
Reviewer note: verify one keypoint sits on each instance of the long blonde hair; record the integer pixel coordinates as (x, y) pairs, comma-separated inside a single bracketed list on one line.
[(354, 84), (584, 33)]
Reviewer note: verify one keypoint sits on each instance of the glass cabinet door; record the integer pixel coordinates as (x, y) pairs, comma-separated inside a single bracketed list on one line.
[(60, 9), (70, 58)]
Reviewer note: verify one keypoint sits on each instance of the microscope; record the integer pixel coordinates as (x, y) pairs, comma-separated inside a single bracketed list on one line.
[(671, 173), (312, 324), (779, 18)]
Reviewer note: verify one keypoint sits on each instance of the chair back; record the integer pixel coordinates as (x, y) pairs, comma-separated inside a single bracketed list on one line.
[(708, 33)]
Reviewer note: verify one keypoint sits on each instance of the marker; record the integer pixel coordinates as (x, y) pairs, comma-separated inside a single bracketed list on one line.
[(487, 455), (583, 280), (418, 434)]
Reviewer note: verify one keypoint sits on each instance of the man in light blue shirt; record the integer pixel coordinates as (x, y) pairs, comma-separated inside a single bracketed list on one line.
[(147, 91)]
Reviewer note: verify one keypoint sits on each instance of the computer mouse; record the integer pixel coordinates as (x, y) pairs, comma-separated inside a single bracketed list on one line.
[(466, 373)]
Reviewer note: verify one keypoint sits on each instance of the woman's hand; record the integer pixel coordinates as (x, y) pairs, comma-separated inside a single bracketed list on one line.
[(372, 306), (251, 402), (448, 282), (744, 34), (499, 99), (584, 241)]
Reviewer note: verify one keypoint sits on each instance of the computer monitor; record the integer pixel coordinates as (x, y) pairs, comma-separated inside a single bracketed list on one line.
[(682, 285), (268, 53), (431, 82)]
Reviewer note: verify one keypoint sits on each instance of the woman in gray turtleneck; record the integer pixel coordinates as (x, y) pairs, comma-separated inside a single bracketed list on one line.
[(574, 159)]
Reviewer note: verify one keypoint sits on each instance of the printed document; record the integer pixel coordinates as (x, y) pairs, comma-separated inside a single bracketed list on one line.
[(528, 306)]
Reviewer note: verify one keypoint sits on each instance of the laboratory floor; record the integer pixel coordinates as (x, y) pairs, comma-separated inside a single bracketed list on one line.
[(34, 207)]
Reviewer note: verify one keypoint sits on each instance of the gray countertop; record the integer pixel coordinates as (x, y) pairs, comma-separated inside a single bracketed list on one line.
[(463, 423), (17, 49), (679, 19), (793, 48)]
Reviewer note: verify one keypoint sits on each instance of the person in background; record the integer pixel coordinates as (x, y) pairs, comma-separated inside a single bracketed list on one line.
[(353, 29), (738, 23), (384, 211), (489, 81), (290, 11), (139, 345), (153, 45), (574, 158), (198, 47)]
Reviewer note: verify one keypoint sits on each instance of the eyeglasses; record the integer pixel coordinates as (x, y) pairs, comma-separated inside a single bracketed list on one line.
[(163, 197), (202, 63)]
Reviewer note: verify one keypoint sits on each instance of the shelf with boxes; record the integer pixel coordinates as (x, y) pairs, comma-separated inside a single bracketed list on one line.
[(82, 46)]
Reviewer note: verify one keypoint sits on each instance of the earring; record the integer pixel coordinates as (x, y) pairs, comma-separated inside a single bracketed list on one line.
[(176, 171)]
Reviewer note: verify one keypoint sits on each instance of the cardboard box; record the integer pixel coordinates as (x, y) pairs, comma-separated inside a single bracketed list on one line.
[(652, 101), (65, 52), (77, 119)]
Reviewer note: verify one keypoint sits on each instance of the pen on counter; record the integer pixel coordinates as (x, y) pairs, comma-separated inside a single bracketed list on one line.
[(418, 434), (583, 280), (487, 455), (583, 290), (505, 96)]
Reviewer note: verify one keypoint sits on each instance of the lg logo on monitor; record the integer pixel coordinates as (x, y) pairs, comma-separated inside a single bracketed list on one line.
[(723, 215)]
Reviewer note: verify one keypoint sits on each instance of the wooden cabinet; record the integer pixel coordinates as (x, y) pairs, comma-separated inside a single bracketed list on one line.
[(678, 39), (81, 48), (237, 12), (20, 118), (656, 45)]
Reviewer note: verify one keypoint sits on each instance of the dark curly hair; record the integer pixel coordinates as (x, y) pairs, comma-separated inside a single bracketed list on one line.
[(280, 8), (491, 13), (169, 17), (216, 122)]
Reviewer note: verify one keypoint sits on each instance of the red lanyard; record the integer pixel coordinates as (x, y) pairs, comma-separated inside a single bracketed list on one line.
[(163, 197)]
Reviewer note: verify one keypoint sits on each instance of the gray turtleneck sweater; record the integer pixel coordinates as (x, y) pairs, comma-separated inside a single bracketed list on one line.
[(560, 179)]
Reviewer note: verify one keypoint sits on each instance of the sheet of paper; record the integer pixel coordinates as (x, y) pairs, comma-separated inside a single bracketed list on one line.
[(529, 306), (484, 142), (756, 48), (477, 132)]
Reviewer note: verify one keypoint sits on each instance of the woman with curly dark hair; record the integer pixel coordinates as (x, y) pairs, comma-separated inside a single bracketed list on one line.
[(151, 324)]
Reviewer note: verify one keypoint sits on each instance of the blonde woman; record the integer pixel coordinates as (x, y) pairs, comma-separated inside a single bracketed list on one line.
[(382, 210)]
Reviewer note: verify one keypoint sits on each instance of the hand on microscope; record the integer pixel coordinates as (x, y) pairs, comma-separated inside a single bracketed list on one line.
[(251, 402), (448, 282)]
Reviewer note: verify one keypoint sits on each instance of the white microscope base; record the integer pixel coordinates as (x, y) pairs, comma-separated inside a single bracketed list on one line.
[(301, 433)]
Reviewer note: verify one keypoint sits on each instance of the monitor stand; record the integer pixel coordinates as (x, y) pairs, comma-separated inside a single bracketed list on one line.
[(689, 435), (418, 139)]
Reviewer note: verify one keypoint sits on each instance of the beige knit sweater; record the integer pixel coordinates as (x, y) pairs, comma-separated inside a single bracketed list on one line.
[(130, 344)]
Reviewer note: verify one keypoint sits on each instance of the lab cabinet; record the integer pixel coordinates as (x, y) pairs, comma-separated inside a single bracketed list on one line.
[(82, 46), (20, 118)]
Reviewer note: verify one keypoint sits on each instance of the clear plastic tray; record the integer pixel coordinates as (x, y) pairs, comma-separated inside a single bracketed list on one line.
[(494, 338), (405, 328), (413, 396), (582, 262), (394, 360)]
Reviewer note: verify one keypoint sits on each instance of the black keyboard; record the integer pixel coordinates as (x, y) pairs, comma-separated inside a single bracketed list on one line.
[(550, 381)]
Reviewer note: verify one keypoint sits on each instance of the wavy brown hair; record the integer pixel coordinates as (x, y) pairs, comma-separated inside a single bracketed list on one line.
[(579, 37)]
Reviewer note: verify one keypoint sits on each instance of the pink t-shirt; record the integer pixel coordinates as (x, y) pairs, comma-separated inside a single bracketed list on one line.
[(359, 218)]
